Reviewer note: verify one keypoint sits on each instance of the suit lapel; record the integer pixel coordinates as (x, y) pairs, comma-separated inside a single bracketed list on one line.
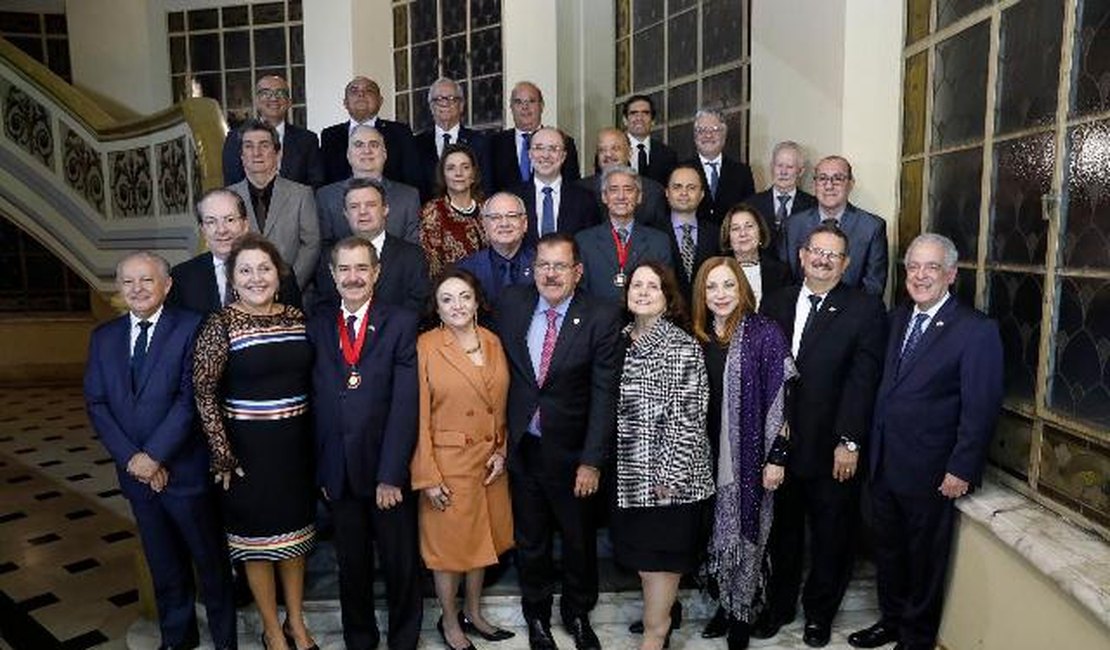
[(156, 347), (936, 329), (453, 355), (828, 312), (515, 329), (568, 332), (278, 199), (119, 353)]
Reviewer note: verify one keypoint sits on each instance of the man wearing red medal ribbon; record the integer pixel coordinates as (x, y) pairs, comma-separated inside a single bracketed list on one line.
[(365, 392)]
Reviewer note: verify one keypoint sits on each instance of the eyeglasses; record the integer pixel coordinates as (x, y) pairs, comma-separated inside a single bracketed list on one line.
[(517, 101), (546, 148), (367, 144), (273, 93), (501, 217), (362, 90), (708, 130), (833, 256), (930, 268), (835, 179), (212, 223), (444, 100), (558, 267)]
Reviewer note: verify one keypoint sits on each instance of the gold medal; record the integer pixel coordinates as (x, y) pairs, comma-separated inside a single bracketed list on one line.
[(619, 279), (354, 380)]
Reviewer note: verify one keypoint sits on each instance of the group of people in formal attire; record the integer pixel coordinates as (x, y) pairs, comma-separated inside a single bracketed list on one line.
[(656, 347)]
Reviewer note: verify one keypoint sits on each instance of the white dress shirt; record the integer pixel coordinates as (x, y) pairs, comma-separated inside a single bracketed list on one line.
[(556, 198), (220, 269), (930, 312), (452, 132), (135, 329), (359, 315), (634, 158), (801, 313)]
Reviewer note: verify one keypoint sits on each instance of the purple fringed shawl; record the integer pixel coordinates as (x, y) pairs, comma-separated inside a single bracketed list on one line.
[(758, 366)]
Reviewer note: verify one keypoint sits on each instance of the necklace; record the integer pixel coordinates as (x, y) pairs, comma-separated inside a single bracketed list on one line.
[(476, 348), (468, 210)]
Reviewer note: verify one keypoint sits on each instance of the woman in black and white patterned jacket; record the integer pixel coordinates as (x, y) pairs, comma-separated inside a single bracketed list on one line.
[(663, 477)]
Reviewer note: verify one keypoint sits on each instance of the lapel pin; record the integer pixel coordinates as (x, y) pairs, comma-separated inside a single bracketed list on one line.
[(832, 308), (576, 321), (940, 323), (372, 328)]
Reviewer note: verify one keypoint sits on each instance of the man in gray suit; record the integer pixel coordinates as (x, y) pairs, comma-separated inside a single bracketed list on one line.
[(366, 152), (611, 250), (867, 247), (282, 210), (613, 150)]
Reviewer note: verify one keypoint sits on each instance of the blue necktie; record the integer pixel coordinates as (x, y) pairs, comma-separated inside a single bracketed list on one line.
[(548, 223), (525, 162), (714, 178), (913, 339), (138, 354)]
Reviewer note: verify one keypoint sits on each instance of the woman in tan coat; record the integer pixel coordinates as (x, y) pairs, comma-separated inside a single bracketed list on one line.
[(459, 465)]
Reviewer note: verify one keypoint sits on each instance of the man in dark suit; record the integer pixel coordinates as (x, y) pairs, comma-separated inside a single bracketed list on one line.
[(300, 149), (728, 181), (561, 348), (613, 151), (367, 154), (651, 157), (507, 261), (838, 337), (364, 391), (693, 240), (139, 396), (935, 413), (282, 210), (784, 197), (402, 277), (200, 284), (509, 148), (866, 232), (611, 250), (448, 103), (363, 99), (554, 202)]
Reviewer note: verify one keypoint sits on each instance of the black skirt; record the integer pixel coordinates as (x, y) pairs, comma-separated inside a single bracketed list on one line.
[(660, 538)]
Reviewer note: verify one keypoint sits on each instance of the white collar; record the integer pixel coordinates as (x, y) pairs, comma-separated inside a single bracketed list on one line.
[(152, 319), (932, 311)]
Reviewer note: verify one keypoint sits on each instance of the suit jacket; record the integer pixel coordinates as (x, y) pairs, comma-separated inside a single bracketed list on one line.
[(661, 162), (480, 264), (577, 209), (599, 256), (937, 412), (365, 435), (735, 183), (867, 246), (653, 209), (840, 361), (506, 164), (578, 397), (400, 163), (403, 220), (300, 157), (766, 203), (428, 159), (158, 416), (706, 245), (194, 287), (402, 278), (773, 274), (291, 224)]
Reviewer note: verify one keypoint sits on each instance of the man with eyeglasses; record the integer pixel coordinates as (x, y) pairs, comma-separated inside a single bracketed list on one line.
[(553, 201), (650, 157), (507, 260), (300, 157), (561, 346), (726, 181), (784, 197), (838, 339), (448, 105), (509, 148), (613, 151), (362, 97), (200, 284), (936, 410), (866, 232)]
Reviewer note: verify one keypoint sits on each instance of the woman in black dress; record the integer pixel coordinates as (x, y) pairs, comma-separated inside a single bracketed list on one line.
[(663, 477), (745, 236), (251, 375)]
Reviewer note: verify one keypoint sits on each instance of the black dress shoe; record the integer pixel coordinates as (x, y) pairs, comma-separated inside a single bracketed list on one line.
[(443, 635), (816, 635), (637, 627), (539, 634), (766, 627), (739, 634), (497, 634), (290, 641), (717, 626), (877, 635), (583, 635)]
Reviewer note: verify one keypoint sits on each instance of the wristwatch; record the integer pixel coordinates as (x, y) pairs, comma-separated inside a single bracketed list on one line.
[(849, 444)]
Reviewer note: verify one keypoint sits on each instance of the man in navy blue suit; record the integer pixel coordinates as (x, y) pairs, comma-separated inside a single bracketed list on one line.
[(365, 392), (935, 413), (507, 260), (139, 396)]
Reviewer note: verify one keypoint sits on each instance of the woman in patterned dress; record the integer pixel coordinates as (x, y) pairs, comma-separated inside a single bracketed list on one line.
[(450, 226), (251, 373), (748, 362), (663, 476)]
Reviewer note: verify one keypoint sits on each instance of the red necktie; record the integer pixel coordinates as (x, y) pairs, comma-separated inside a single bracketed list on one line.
[(549, 337)]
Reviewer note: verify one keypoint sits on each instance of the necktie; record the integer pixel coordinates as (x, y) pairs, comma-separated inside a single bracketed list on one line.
[(714, 178), (506, 273), (814, 304), (830, 222), (687, 249), (138, 354), (525, 162), (780, 214), (446, 143), (641, 159), (549, 338), (548, 223), (913, 339), (260, 214), (622, 234), (221, 284), (351, 328)]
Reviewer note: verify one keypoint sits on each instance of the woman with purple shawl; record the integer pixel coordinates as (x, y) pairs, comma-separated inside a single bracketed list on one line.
[(748, 361)]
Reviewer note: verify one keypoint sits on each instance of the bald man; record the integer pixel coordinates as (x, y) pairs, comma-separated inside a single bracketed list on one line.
[(509, 148), (614, 150), (362, 97)]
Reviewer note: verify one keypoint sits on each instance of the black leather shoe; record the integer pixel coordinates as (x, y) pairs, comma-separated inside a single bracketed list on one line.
[(290, 641), (539, 634), (637, 627), (579, 629), (877, 635), (497, 634), (816, 635), (738, 635), (443, 635), (717, 626)]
